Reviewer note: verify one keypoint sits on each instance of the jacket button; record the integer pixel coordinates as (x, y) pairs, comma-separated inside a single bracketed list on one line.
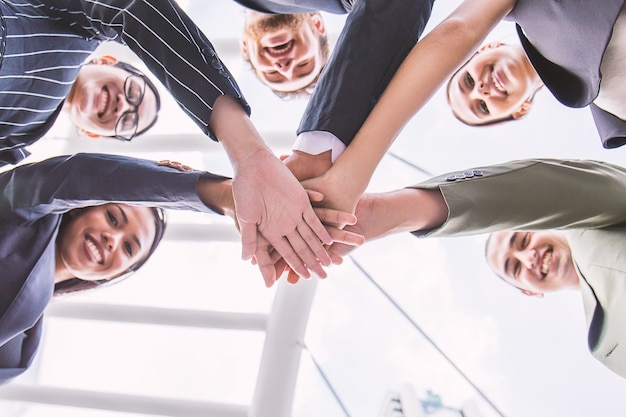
[(451, 178)]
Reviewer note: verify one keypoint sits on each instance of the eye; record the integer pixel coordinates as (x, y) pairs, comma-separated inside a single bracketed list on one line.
[(303, 64), (516, 268), (112, 218), (128, 248), (128, 121), (482, 107), (524, 241), (468, 80), (134, 88)]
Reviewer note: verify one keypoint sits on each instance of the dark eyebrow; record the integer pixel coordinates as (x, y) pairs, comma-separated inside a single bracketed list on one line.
[(135, 238), (462, 81), (511, 245), (308, 64), (471, 102), (123, 213)]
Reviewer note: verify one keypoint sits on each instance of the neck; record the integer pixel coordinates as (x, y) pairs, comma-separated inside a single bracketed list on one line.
[(61, 273)]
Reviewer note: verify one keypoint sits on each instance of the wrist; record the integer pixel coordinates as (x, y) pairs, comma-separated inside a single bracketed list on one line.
[(217, 195)]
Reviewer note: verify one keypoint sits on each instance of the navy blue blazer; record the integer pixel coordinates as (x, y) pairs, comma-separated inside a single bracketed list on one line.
[(33, 200), (565, 42), (376, 38), (298, 6)]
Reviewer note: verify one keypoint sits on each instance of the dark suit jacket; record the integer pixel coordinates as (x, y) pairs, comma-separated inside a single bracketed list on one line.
[(32, 203), (298, 6), (565, 42), (376, 38)]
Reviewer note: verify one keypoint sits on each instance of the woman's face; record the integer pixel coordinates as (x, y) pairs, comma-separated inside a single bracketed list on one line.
[(98, 100), (535, 262), (496, 83), (102, 242)]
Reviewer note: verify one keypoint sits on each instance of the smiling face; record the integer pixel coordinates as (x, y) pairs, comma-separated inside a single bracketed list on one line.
[(535, 262), (98, 100), (496, 84), (102, 242), (285, 51)]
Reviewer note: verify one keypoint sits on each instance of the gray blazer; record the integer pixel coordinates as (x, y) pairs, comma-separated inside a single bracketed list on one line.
[(565, 42), (585, 198)]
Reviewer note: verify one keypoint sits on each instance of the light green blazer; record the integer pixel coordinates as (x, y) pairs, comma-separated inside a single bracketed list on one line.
[(585, 198)]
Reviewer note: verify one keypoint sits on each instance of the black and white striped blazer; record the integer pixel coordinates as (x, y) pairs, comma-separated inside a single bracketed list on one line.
[(44, 43)]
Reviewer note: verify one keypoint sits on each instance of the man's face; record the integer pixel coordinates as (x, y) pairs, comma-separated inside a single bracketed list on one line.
[(98, 100), (284, 50), (102, 242), (535, 262), (498, 82)]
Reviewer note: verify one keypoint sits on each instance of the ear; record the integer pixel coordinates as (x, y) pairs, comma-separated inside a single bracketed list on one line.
[(244, 48), (318, 23), (105, 60), (89, 134), (490, 45), (532, 294), (523, 110)]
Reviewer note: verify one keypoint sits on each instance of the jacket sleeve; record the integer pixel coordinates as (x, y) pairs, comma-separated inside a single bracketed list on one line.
[(365, 59), (60, 184), (167, 41), (531, 195)]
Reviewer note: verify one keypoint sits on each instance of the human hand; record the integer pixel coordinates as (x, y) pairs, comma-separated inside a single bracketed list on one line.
[(304, 165), (366, 227), (336, 191), (273, 265), (270, 203)]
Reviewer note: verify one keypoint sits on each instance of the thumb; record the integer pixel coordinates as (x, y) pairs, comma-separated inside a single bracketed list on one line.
[(248, 239)]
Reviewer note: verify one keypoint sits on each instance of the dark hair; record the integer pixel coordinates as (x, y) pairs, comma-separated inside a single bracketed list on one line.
[(76, 284)]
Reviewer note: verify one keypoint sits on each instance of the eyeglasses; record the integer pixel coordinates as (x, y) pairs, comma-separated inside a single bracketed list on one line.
[(128, 122)]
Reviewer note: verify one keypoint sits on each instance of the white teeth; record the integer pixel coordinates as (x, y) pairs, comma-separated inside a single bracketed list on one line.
[(94, 251), (547, 262), (497, 84), (104, 99)]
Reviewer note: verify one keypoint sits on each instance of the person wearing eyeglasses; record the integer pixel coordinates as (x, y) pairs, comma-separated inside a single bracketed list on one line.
[(44, 44), (112, 99)]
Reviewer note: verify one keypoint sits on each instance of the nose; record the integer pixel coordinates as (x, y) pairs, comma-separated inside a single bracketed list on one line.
[(528, 258), (122, 105), (285, 67), (283, 63), (482, 88), (111, 240)]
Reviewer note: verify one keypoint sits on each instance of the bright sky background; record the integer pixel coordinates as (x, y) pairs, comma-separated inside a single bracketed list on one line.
[(528, 356)]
